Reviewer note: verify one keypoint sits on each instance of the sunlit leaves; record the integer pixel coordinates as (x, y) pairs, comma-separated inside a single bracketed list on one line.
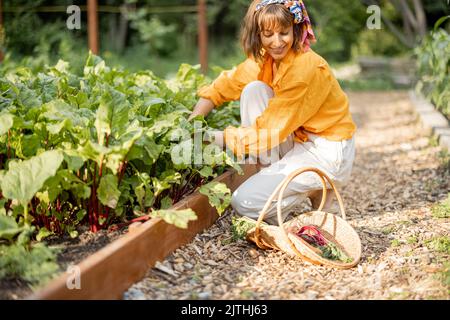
[(179, 218), (218, 194), (25, 178), (112, 115), (9, 227), (102, 144), (108, 192), (6, 122)]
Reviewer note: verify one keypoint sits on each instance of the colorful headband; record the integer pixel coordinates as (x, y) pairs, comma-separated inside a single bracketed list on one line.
[(298, 9)]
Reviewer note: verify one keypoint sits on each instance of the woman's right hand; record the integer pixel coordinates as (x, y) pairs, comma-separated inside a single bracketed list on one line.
[(203, 107)]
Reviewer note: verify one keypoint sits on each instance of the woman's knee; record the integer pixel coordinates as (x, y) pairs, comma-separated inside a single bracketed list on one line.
[(239, 202), (244, 206), (257, 88)]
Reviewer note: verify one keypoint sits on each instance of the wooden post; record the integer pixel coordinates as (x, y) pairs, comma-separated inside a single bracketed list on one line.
[(203, 35), (2, 31), (93, 26)]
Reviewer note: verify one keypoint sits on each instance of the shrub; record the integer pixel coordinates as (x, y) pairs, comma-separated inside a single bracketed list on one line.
[(433, 65)]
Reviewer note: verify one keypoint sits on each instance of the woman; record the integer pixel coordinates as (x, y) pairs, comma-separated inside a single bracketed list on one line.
[(291, 104)]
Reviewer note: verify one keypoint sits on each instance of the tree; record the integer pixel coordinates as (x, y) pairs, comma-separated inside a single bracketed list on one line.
[(337, 26), (413, 18)]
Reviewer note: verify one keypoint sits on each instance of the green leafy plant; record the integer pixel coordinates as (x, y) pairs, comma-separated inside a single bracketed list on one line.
[(440, 244), (328, 249), (9, 228), (444, 274), (219, 195), (442, 210), (36, 265), (98, 147), (332, 252), (161, 38), (25, 178), (179, 218), (395, 243), (412, 240), (433, 65), (388, 229), (444, 159), (240, 227)]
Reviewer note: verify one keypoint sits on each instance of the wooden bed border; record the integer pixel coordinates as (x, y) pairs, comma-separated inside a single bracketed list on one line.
[(108, 273)]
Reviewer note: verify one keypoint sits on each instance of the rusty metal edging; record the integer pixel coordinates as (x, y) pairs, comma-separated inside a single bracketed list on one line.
[(112, 270)]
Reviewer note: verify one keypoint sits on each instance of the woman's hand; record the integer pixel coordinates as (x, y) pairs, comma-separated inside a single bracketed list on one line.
[(203, 107)]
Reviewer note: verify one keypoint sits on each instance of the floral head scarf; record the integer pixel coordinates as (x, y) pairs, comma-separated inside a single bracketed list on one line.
[(298, 9)]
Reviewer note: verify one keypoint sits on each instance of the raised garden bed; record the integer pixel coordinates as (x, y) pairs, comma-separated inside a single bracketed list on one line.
[(82, 151), (109, 272)]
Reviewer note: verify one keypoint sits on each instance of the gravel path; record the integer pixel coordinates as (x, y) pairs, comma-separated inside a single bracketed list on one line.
[(397, 178)]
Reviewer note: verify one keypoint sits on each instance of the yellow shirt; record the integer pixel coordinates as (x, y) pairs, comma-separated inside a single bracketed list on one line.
[(307, 98)]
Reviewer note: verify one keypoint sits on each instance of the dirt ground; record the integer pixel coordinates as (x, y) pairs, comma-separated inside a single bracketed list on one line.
[(397, 178), (71, 251)]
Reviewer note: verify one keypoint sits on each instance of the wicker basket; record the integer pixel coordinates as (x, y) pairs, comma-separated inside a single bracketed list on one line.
[(332, 227)]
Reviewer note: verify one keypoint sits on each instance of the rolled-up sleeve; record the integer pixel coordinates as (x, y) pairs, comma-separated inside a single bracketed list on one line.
[(297, 99), (229, 84)]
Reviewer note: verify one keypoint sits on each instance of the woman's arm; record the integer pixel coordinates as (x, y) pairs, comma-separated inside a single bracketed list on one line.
[(203, 107), (227, 87), (229, 84)]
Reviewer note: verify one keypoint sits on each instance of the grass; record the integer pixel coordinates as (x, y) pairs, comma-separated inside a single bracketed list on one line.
[(444, 159), (433, 141), (388, 230), (240, 227), (227, 241), (160, 285), (441, 210), (196, 277), (412, 240), (194, 295), (431, 185), (373, 84), (444, 275), (395, 243), (37, 265), (246, 294), (399, 295), (439, 244), (405, 271), (405, 223), (220, 56)]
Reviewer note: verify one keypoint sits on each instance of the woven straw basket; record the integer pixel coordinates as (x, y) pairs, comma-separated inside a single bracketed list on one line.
[(332, 227)]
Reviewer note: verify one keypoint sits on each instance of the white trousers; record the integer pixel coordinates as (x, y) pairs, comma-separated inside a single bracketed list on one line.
[(334, 158)]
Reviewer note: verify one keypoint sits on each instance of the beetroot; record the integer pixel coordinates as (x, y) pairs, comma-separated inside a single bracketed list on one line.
[(312, 235)]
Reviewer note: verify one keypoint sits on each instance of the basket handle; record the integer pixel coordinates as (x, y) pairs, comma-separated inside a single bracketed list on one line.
[(280, 190)]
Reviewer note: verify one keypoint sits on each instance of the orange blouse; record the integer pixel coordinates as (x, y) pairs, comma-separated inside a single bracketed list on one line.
[(307, 98)]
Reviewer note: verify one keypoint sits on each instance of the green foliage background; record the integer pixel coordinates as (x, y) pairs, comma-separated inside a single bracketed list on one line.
[(433, 67), (162, 41)]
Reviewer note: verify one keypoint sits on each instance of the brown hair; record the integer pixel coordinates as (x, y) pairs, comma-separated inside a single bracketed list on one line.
[(272, 15)]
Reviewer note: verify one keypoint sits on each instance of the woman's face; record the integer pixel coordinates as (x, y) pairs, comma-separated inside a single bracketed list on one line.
[(277, 41)]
